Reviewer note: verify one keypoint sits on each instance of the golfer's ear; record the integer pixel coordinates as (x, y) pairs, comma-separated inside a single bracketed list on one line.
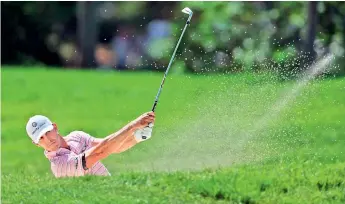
[(35, 143), (55, 126)]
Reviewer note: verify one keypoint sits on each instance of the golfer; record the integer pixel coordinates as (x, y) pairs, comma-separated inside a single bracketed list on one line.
[(78, 153)]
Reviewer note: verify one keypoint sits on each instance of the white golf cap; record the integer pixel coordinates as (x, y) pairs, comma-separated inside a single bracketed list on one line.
[(37, 126)]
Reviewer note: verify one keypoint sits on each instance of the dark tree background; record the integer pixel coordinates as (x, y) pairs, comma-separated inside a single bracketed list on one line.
[(224, 36)]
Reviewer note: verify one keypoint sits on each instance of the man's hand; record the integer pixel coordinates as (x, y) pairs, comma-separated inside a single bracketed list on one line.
[(143, 134), (144, 120), (144, 125)]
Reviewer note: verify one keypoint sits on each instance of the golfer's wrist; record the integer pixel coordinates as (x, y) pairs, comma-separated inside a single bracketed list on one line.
[(132, 126)]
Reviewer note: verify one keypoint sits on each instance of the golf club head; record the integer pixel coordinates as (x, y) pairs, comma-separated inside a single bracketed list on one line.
[(187, 11)]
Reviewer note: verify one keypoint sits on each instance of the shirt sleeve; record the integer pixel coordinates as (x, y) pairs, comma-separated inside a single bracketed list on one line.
[(88, 139), (84, 139), (69, 165)]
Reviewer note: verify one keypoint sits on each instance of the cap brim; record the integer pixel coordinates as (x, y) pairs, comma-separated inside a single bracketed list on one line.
[(43, 131)]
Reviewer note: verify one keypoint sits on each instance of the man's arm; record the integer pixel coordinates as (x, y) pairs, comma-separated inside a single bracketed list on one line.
[(114, 142), (127, 144), (96, 141)]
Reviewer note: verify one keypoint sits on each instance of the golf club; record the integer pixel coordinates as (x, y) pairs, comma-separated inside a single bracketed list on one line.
[(190, 13)]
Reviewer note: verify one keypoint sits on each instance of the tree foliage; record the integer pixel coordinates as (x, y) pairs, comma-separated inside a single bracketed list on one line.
[(260, 35), (223, 36)]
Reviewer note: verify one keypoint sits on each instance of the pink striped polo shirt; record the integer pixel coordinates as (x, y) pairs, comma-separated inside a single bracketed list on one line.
[(67, 162)]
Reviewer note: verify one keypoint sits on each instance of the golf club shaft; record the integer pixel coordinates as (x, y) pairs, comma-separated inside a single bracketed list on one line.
[(171, 60)]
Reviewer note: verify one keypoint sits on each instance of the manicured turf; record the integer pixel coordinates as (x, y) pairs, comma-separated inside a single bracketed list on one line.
[(238, 138)]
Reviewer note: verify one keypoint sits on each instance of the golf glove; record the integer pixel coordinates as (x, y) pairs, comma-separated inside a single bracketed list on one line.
[(143, 134)]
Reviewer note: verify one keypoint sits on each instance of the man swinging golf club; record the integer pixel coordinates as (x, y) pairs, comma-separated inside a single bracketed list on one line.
[(78, 153)]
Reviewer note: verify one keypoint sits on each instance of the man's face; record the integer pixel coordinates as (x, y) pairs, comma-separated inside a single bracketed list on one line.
[(50, 140)]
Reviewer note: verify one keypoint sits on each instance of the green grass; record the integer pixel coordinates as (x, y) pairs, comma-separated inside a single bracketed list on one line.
[(216, 138)]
